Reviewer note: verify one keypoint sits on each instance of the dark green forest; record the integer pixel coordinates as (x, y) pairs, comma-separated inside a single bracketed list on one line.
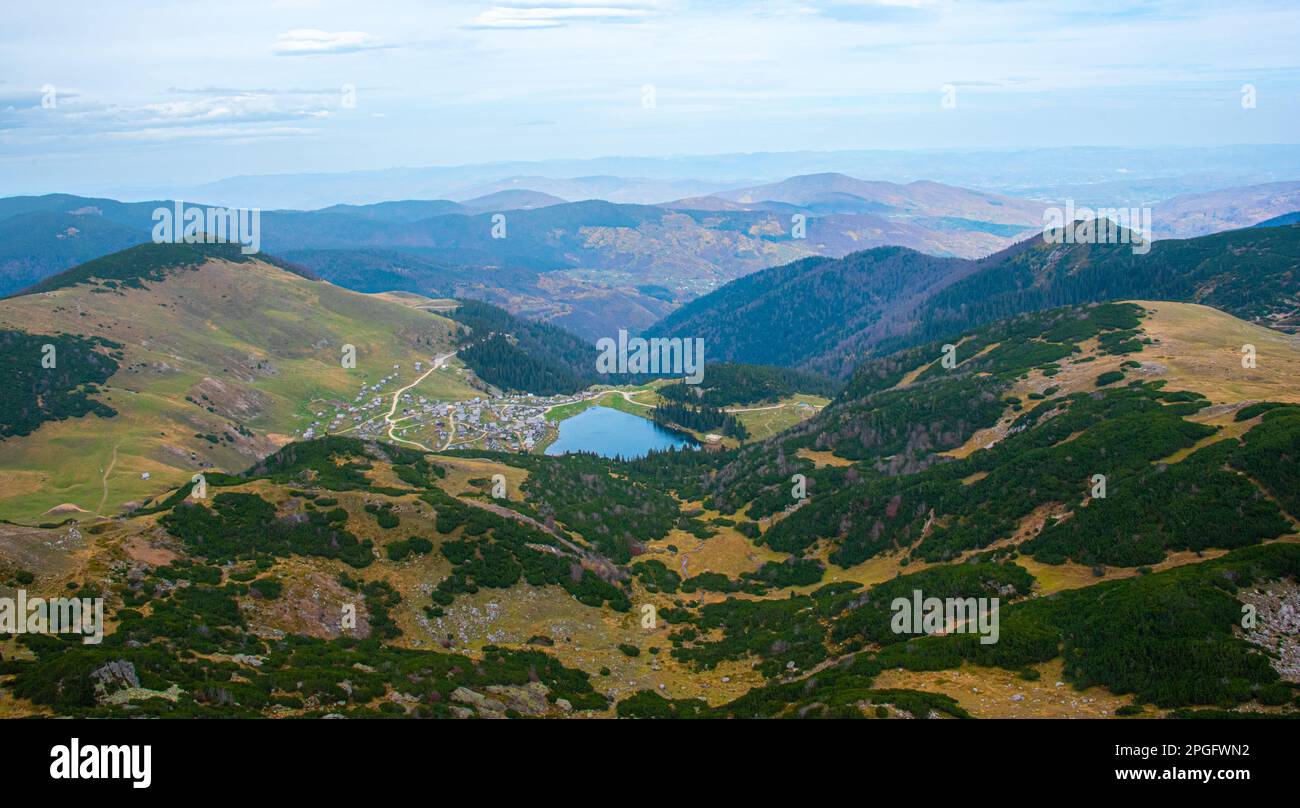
[(827, 315), (523, 356), (727, 384), (700, 419), (34, 393)]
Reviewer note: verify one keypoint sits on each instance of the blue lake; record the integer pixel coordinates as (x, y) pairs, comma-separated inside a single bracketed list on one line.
[(609, 432)]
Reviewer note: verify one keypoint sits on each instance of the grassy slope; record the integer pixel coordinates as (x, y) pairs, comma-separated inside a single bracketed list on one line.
[(1196, 348), (204, 331), (1201, 347)]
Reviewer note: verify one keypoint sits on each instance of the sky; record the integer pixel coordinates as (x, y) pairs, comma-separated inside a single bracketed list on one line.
[(97, 95)]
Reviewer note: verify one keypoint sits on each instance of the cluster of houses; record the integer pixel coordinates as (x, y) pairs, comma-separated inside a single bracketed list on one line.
[(511, 424), (365, 411), (505, 423)]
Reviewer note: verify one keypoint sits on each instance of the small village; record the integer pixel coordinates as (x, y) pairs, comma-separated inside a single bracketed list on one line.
[(510, 423)]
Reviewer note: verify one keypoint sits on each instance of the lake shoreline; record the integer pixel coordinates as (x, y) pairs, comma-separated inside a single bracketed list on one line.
[(612, 432)]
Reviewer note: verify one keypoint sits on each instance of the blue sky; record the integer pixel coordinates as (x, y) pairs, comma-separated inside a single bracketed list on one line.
[(144, 93)]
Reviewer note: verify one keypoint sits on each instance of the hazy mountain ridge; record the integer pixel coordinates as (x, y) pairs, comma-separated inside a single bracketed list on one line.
[(1099, 176), (915, 198), (584, 264), (603, 253), (1225, 209)]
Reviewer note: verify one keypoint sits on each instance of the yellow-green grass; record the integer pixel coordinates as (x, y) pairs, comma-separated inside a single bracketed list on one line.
[(418, 301), (616, 401), (821, 459), (991, 692), (460, 470), (261, 342), (1202, 349), (764, 423), (1051, 578), (1193, 347), (566, 411)]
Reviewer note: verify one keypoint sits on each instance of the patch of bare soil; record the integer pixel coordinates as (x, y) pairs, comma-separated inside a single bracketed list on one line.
[(139, 549), (312, 603), (49, 553), (822, 459), (67, 507), (231, 400)]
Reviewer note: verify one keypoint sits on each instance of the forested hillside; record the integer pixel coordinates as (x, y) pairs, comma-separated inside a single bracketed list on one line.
[(520, 355), (1253, 274), (826, 315), (726, 384)]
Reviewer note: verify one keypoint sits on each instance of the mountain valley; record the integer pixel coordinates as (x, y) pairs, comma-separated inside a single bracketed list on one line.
[(375, 576)]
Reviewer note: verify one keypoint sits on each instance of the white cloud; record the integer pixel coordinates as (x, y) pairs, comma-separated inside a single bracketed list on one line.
[(243, 115), (247, 134), (521, 17), (314, 42)]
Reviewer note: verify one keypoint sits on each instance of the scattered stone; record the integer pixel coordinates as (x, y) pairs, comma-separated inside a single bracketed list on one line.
[(114, 676), (488, 708), (1277, 626)]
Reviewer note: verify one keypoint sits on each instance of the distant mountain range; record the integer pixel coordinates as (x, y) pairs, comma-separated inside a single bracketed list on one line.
[(592, 266), (834, 193), (624, 190), (1214, 211), (1091, 175), (827, 315)]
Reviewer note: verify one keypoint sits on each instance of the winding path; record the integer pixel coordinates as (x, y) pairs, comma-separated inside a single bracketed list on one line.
[(438, 362), (103, 480), (628, 398)]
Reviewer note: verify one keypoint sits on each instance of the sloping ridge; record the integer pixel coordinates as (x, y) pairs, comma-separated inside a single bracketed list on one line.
[(153, 262), (219, 358)]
